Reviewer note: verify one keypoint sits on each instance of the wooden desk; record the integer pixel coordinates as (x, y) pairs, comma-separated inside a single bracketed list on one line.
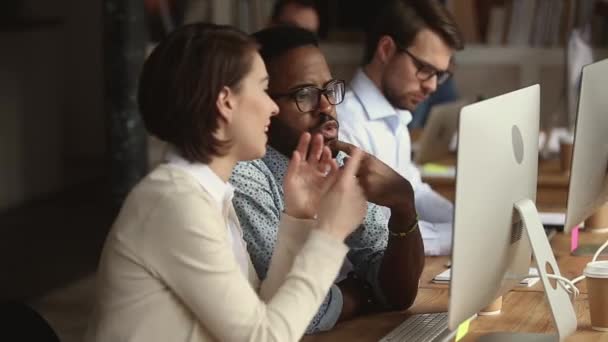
[(570, 266), (552, 188), (524, 309)]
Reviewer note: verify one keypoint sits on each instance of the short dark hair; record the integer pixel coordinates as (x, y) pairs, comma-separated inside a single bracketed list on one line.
[(403, 19), (181, 80), (277, 40), (277, 10)]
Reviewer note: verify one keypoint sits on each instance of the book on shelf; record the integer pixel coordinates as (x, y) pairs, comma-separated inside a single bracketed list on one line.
[(535, 23), (521, 22), (464, 13), (496, 25)]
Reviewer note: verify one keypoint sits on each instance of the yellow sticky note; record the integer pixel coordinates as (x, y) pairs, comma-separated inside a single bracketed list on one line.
[(463, 329), (434, 168)]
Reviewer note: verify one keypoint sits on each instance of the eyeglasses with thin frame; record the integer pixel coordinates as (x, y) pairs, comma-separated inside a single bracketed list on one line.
[(308, 98), (426, 71)]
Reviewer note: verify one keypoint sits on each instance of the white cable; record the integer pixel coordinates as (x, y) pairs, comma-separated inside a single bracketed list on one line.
[(567, 284), (577, 279), (595, 256)]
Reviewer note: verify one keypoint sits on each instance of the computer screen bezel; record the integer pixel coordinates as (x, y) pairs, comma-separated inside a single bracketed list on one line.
[(588, 185)]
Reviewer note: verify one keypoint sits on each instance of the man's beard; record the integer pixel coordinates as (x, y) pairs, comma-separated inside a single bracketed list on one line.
[(399, 102), (285, 139), (323, 120)]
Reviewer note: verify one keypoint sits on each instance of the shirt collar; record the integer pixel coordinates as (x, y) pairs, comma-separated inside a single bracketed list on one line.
[(222, 192), (373, 101)]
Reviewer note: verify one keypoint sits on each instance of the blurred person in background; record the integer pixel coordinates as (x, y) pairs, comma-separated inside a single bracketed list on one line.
[(408, 54), (299, 13)]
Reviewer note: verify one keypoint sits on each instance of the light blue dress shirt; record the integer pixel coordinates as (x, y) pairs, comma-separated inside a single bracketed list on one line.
[(370, 122)]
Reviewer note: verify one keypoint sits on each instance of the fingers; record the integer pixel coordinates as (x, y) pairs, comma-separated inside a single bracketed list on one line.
[(325, 161), (312, 149), (330, 180), (352, 167), (334, 166), (316, 149), (303, 144), (294, 163), (349, 150), (344, 147), (332, 171)]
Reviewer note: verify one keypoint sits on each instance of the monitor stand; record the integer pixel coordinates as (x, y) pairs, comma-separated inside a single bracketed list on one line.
[(562, 310)]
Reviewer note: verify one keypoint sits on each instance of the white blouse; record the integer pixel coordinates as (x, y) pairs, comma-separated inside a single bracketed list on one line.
[(222, 192)]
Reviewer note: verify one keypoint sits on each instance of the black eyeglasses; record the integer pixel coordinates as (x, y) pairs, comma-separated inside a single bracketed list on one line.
[(308, 98), (425, 70)]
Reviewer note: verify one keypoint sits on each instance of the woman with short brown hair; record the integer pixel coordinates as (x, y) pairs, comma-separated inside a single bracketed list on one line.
[(174, 266)]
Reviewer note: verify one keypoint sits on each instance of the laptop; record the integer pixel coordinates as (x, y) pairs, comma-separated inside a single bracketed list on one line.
[(439, 132)]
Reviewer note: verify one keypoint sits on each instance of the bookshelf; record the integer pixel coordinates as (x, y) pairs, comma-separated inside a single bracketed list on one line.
[(538, 23), (526, 46), (509, 44)]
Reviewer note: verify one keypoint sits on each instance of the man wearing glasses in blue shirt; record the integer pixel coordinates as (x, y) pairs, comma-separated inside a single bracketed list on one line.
[(408, 53), (386, 256)]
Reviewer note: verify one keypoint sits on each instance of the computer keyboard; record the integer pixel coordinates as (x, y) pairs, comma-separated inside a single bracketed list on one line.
[(420, 328)]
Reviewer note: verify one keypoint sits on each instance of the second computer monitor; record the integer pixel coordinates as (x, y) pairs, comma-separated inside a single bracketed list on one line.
[(588, 188), (497, 167)]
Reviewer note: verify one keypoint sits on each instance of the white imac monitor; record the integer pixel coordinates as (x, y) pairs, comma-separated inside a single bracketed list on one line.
[(496, 225), (588, 176)]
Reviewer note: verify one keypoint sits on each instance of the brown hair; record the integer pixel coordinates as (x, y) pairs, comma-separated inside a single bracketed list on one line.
[(181, 80), (403, 19)]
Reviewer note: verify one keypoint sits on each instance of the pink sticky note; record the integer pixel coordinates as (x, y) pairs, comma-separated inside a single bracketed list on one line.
[(574, 238)]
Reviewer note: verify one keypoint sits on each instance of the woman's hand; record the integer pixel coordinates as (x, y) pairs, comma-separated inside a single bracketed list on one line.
[(309, 176)]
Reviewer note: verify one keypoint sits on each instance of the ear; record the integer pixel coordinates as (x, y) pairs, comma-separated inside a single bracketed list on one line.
[(385, 50), (226, 104)]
